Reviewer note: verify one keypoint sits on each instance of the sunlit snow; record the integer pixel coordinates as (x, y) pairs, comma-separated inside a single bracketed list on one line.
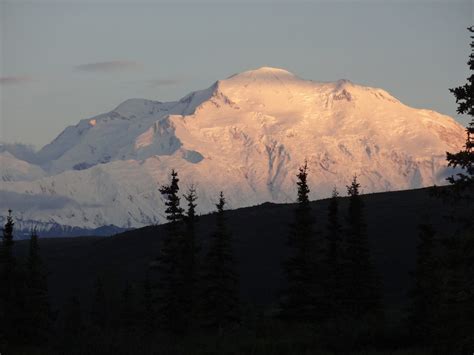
[(245, 135)]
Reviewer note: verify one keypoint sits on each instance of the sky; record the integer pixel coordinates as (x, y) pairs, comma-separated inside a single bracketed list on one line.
[(62, 61)]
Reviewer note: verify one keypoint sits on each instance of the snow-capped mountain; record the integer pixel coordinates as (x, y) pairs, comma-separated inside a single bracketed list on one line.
[(245, 135), (14, 169)]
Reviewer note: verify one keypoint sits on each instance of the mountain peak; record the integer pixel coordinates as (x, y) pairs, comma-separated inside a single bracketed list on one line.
[(342, 83), (263, 73), (254, 128), (272, 70)]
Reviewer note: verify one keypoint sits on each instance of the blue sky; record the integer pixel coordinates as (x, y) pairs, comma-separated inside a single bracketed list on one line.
[(62, 61)]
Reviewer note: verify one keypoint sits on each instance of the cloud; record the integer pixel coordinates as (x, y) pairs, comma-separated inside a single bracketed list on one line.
[(20, 151), (25, 202), (163, 82), (39, 202), (111, 66), (15, 80)]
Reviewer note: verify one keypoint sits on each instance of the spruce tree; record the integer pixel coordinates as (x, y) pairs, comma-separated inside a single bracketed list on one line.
[(8, 231), (127, 309), (455, 278), (7, 260), (455, 309), (12, 290), (98, 312), (171, 288), (7, 270), (72, 323), (465, 99), (174, 213), (334, 259), (463, 182), (37, 306), (300, 302), (221, 283), (363, 293), (425, 294), (190, 258), (147, 309)]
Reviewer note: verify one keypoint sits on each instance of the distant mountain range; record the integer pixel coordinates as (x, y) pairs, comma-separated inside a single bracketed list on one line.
[(246, 135)]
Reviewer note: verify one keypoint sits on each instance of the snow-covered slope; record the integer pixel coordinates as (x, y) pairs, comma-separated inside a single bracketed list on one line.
[(245, 135), (14, 169)]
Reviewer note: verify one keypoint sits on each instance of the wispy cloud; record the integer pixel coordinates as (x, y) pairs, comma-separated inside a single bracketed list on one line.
[(163, 82), (111, 66), (15, 80), (26, 202), (156, 83)]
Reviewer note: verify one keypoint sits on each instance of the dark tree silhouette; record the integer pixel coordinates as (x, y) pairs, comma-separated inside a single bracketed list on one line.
[(147, 309), (72, 323), (465, 100), (7, 261), (7, 269), (127, 309), (334, 259), (463, 181), (190, 258), (363, 293), (221, 284), (452, 320), (300, 303), (171, 292), (425, 295), (39, 323), (174, 213), (455, 309), (98, 312), (12, 290)]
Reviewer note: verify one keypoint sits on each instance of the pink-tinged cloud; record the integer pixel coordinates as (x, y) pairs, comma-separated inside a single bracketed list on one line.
[(15, 80), (112, 66)]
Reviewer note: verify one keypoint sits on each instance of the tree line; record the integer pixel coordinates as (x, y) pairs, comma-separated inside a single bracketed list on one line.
[(332, 285), (191, 292)]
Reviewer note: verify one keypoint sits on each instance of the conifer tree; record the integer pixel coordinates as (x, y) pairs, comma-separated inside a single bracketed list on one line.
[(363, 293), (465, 99), (463, 181), (8, 232), (73, 325), (425, 295), (334, 261), (174, 213), (127, 308), (221, 283), (37, 306), (454, 275), (98, 313), (171, 289), (455, 309), (147, 310), (191, 271), (12, 290), (7, 270), (7, 261), (455, 306), (300, 303)]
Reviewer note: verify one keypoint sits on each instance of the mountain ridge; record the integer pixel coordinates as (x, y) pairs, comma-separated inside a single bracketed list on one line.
[(245, 135)]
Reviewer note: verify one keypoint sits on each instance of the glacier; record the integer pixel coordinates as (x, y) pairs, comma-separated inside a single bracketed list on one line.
[(245, 135)]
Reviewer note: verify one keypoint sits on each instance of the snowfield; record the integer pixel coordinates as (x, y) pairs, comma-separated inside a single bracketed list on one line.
[(246, 135)]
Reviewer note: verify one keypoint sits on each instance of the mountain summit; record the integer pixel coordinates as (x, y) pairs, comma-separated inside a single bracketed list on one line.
[(245, 135)]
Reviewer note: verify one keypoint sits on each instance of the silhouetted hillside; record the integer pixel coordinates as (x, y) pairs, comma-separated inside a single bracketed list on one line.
[(260, 240)]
